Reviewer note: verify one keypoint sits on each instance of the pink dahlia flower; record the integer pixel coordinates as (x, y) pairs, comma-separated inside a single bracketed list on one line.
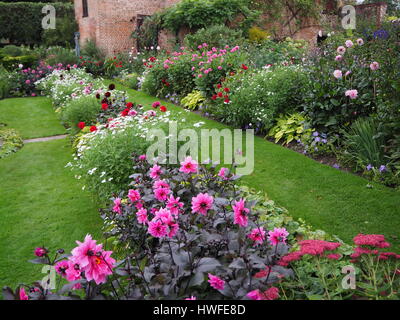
[(341, 50), (352, 94), (174, 205), (40, 252), (157, 229), (95, 262), (22, 294), (142, 216), (338, 74), (257, 235), (277, 235), (240, 213), (134, 195), (216, 282), (161, 194), (191, 298), (349, 43), (61, 268), (189, 166), (155, 172), (117, 206), (202, 203), (374, 66), (223, 173)]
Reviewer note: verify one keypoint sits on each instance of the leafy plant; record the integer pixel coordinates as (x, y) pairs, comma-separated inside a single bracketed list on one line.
[(193, 100), (363, 145), (289, 128), (10, 142)]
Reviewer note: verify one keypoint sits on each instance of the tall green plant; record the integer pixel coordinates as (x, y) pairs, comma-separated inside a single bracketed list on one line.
[(363, 144)]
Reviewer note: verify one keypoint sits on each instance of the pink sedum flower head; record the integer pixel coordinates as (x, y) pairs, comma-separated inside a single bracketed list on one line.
[(257, 235), (155, 172), (134, 195), (188, 166), (216, 282), (374, 66), (349, 44), (117, 206), (277, 236), (95, 262), (352, 94), (338, 74), (22, 294), (240, 213), (341, 50), (202, 203)]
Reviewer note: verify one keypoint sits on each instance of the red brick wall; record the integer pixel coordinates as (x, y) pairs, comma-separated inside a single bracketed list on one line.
[(111, 22)]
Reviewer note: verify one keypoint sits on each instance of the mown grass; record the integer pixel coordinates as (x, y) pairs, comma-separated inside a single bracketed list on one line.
[(32, 117), (328, 199), (41, 203)]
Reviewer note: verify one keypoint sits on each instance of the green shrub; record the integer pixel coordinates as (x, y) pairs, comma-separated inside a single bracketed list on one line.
[(111, 155), (12, 50), (62, 55), (84, 108), (363, 145), (10, 142), (21, 22), (217, 36), (63, 34), (91, 51), (256, 98), (11, 63)]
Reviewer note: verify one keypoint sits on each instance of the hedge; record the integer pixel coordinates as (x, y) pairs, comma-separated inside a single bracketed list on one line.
[(21, 22)]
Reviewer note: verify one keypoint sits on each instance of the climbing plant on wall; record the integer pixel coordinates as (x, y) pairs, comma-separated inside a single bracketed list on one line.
[(196, 14)]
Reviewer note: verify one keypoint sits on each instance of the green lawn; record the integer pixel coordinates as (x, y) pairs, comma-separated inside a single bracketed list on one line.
[(32, 117), (41, 203), (327, 198)]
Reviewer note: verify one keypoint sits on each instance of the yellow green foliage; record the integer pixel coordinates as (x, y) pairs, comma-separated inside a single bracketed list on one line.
[(192, 100), (289, 128), (258, 35)]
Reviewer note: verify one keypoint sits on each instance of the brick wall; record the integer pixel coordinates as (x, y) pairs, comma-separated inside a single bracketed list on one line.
[(111, 22)]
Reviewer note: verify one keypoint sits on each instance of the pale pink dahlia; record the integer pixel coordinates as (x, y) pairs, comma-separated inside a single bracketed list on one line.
[(341, 50), (338, 74), (374, 66), (352, 94)]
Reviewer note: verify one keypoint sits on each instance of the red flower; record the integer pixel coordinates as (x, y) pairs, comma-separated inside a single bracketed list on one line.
[(125, 112), (93, 128), (214, 97), (227, 100), (81, 125), (219, 86), (163, 108), (220, 94), (129, 105), (107, 94), (104, 106), (227, 90), (244, 67)]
